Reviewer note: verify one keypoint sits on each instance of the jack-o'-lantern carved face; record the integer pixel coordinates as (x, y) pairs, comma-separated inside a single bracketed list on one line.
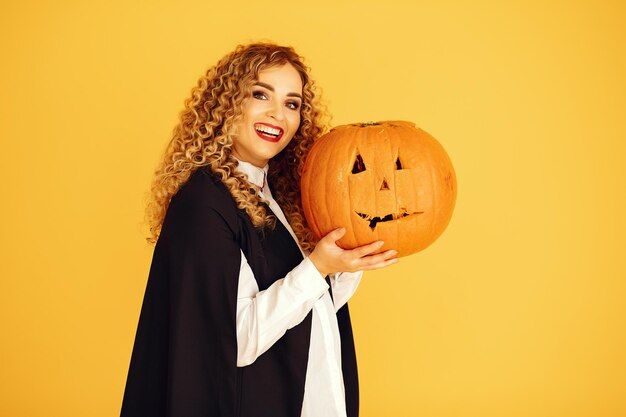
[(381, 181)]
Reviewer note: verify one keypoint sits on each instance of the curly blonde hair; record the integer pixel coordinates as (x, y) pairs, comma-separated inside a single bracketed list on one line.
[(205, 134)]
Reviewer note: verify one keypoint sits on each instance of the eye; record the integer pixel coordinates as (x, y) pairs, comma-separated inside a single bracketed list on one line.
[(398, 163), (359, 165), (293, 105), (259, 95)]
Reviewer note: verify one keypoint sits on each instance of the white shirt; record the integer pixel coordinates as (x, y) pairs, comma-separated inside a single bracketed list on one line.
[(263, 317)]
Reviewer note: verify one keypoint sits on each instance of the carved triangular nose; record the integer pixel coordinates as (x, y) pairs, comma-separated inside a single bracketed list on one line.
[(384, 185)]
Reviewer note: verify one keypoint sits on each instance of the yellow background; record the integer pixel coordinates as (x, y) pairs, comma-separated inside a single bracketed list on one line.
[(517, 310)]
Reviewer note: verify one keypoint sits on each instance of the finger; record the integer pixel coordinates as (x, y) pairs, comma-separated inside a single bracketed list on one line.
[(335, 235), (361, 251), (381, 264), (388, 254), (381, 257)]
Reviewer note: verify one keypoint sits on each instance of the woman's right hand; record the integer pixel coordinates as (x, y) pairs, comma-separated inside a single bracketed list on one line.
[(329, 258)]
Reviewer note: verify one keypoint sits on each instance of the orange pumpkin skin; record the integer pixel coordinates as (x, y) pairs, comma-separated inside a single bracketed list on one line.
[(387, 181)]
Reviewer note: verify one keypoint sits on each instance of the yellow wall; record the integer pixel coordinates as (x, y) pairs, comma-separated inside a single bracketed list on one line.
[(517, 310)]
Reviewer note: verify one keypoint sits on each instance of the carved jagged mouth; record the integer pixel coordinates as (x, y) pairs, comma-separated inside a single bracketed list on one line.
[(389, 217)]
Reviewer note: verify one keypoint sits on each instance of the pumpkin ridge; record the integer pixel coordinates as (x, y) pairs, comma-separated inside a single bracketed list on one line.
[(433, 191), (395, 190), (319, 183), (352, 219), (376, 196), (328, 160), (401, 131), (307, 180)]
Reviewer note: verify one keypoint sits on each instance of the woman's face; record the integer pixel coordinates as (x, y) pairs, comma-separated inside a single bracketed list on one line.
[(271, 115)]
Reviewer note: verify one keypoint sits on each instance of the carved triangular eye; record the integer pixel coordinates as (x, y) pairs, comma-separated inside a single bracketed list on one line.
[(359, 165), (398, 163)]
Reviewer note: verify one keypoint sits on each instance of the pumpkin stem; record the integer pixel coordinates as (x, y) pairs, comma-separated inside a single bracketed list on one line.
[(366, 124)]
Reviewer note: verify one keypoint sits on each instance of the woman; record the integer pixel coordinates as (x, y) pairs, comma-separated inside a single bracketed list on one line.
[(238, 318)]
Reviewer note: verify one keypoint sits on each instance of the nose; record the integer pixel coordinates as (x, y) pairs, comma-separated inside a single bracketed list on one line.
[(276, 110), (384, 185)]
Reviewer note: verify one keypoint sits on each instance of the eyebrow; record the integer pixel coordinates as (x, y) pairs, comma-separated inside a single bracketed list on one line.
[(269, 87)]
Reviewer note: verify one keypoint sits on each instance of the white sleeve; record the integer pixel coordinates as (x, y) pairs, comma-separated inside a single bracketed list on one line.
[(263, 317), (344, 285)]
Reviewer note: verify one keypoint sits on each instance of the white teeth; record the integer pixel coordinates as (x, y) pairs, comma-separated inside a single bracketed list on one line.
[(267, 129)]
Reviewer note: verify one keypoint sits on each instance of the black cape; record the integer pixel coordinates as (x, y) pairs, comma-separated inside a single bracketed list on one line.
[(184, 360)]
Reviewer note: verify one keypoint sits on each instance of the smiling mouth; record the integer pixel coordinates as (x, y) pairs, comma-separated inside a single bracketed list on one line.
[(268, 133), (389, 217)]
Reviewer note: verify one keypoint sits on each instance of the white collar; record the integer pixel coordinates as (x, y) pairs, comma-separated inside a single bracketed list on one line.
[(256, 175)]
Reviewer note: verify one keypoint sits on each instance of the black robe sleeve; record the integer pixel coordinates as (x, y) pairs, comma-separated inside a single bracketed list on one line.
[(185, 352)]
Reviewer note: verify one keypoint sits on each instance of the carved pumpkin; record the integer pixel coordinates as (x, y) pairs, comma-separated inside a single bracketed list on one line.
[(386, 181)]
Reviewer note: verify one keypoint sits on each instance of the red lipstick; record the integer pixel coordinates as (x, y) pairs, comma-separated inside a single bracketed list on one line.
[(268, 132)]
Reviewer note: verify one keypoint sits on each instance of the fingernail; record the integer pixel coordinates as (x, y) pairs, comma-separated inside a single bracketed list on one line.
[(393, 252), (380, 243)]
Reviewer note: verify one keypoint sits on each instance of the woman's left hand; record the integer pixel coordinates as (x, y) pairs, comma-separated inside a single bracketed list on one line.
[(328, 257)]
